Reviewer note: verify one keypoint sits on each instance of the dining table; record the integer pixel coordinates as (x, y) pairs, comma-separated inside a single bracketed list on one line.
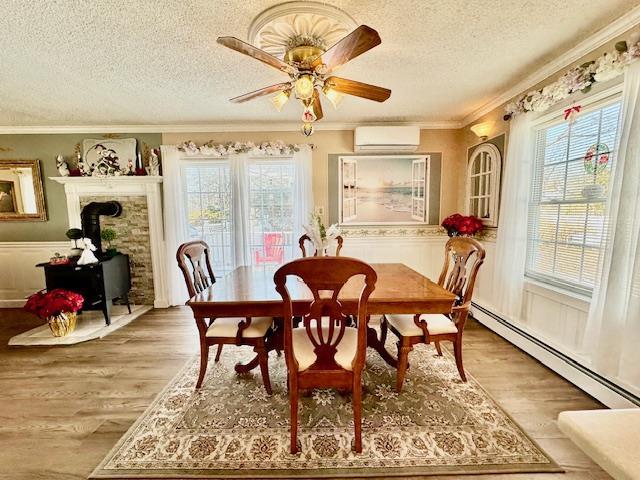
[(249, 291)]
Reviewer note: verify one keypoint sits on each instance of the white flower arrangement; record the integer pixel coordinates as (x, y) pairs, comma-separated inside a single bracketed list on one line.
[(321, 237), (579, 79), (213, 149)]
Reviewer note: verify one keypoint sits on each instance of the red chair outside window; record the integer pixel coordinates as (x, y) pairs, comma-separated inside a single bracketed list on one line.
[(272, 250)]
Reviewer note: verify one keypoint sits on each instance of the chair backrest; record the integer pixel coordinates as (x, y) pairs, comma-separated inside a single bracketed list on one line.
[(462, 259), (193, 258), (325, 277), (305, 238), (273, 243)]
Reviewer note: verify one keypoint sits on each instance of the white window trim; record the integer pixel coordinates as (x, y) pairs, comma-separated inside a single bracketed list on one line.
[(592, 102), (495, 175)]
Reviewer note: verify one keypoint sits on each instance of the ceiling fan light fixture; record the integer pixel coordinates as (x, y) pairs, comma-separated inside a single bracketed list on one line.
[(307, 129), (304, 87), (280, 99), (333, 96)]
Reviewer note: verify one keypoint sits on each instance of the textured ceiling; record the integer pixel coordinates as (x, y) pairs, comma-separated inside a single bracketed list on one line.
[(65, 62)]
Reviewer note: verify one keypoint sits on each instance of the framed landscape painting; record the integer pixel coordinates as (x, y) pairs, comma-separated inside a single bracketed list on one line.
[(384, 189)]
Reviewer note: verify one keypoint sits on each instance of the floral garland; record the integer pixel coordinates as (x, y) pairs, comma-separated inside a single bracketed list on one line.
[(223, 149), (579, 79)]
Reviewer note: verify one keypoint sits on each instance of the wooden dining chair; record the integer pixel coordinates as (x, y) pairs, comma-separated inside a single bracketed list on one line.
[(195, 263), (325, 352), (302, 241), (463, 258)]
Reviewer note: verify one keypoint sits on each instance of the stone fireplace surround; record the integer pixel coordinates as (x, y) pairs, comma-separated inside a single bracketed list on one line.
[(145, 189)]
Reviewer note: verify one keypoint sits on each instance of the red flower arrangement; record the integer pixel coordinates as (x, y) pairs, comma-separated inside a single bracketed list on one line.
[(53, 303), (457, 224)]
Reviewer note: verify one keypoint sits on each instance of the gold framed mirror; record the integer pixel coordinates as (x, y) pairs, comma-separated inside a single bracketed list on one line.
[(21, 192)]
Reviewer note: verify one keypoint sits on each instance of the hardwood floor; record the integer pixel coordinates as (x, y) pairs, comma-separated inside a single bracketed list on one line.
[(63, 408)]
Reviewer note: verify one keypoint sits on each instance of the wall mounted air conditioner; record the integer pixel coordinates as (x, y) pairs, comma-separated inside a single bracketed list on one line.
[(386, 139)]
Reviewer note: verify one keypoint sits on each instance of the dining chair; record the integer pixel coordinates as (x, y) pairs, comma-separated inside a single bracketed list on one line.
[(305, 238), (325, 352), (463, 258), (195, 263)]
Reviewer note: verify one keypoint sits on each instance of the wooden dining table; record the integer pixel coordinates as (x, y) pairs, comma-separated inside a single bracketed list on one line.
[(249, 291)]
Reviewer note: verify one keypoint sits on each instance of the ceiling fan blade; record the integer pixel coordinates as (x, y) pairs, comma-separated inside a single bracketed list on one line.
[(358, 89), (254, 52), (316, 105), (262, 92), (356, 43)]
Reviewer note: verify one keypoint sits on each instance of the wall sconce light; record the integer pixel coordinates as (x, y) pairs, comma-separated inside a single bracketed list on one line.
[(483, 129)]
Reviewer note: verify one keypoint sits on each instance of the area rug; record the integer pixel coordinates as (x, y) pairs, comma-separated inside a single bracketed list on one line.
[(231, 428), (91, 325)]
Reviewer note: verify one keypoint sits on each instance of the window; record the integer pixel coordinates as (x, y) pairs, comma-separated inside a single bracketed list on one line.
[(483, 183), (572, 170), (208, 202), (271, 211), (266, 196)]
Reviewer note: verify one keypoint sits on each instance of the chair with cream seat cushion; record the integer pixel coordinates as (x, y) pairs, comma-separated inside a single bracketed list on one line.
[(436, 324), (195, 264), (324, 351), (228, 327), (463, 258)]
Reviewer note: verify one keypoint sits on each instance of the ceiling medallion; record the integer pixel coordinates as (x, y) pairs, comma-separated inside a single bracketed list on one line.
[(293, 24)]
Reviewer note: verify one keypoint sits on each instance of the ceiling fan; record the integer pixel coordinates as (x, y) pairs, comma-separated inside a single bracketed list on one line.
[(309, 67)]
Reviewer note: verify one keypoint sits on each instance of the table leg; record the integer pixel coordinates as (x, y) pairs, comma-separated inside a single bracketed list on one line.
[(275, 341), (378, 346), (247, 367)]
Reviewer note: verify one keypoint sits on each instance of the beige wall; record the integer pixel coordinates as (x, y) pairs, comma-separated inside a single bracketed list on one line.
[(341, 141)]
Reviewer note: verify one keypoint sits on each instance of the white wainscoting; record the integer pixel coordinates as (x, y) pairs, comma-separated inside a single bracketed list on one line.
[(19, 276), (551, 330), (424, 254)]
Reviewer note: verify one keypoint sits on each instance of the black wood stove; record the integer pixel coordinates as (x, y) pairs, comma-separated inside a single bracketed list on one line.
[(99, 283)]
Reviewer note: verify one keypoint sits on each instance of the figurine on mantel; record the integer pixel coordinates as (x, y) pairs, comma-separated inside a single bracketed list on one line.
[(154, 164), (61, 165), (87, 257)]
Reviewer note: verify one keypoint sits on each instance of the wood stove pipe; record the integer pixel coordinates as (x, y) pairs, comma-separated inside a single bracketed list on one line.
[(90, 218)]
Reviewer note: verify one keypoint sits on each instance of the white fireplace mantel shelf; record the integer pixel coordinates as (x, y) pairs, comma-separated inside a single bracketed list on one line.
[(143, 185), (122, 180)]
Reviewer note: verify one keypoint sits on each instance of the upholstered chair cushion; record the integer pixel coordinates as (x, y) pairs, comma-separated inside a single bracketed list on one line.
[(436, 324), (228, 327), (303, 349)]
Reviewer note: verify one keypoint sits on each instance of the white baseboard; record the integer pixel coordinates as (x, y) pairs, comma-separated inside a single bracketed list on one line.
[(562, 365)]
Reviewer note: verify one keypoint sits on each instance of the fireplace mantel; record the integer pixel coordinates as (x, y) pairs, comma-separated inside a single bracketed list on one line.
[(148, 186)]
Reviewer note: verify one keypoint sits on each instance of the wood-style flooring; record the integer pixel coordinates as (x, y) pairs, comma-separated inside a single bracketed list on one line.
[(63, 408)]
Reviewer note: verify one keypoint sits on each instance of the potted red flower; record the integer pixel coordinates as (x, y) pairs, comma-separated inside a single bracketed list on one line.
[(460, 225), (58, 307)]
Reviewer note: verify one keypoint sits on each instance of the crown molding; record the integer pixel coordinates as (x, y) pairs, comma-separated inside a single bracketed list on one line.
[(210, 128), (602, 36)]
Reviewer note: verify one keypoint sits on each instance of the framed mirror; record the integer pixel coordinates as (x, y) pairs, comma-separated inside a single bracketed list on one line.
[(21, 192)]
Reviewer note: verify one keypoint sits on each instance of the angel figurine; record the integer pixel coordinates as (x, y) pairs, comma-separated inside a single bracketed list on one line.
[(61, 165), (87, 257), (154, 164)]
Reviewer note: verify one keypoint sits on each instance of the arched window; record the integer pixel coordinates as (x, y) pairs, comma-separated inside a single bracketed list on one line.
[(483, 183)]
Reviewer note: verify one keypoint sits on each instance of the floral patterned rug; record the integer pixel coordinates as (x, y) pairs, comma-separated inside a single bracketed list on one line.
[(232, 429)]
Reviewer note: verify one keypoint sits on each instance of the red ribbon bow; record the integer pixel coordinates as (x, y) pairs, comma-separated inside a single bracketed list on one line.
[(571, 110)]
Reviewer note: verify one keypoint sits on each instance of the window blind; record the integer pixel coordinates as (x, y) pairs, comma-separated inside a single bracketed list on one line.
[(572, 169)]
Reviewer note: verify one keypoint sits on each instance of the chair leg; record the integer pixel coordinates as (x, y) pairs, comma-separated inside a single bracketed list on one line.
[(457, 350), (220, 345), (204, 360), (404, 347), (293, 400), (263, 359), (356, 400), (438, 349)]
